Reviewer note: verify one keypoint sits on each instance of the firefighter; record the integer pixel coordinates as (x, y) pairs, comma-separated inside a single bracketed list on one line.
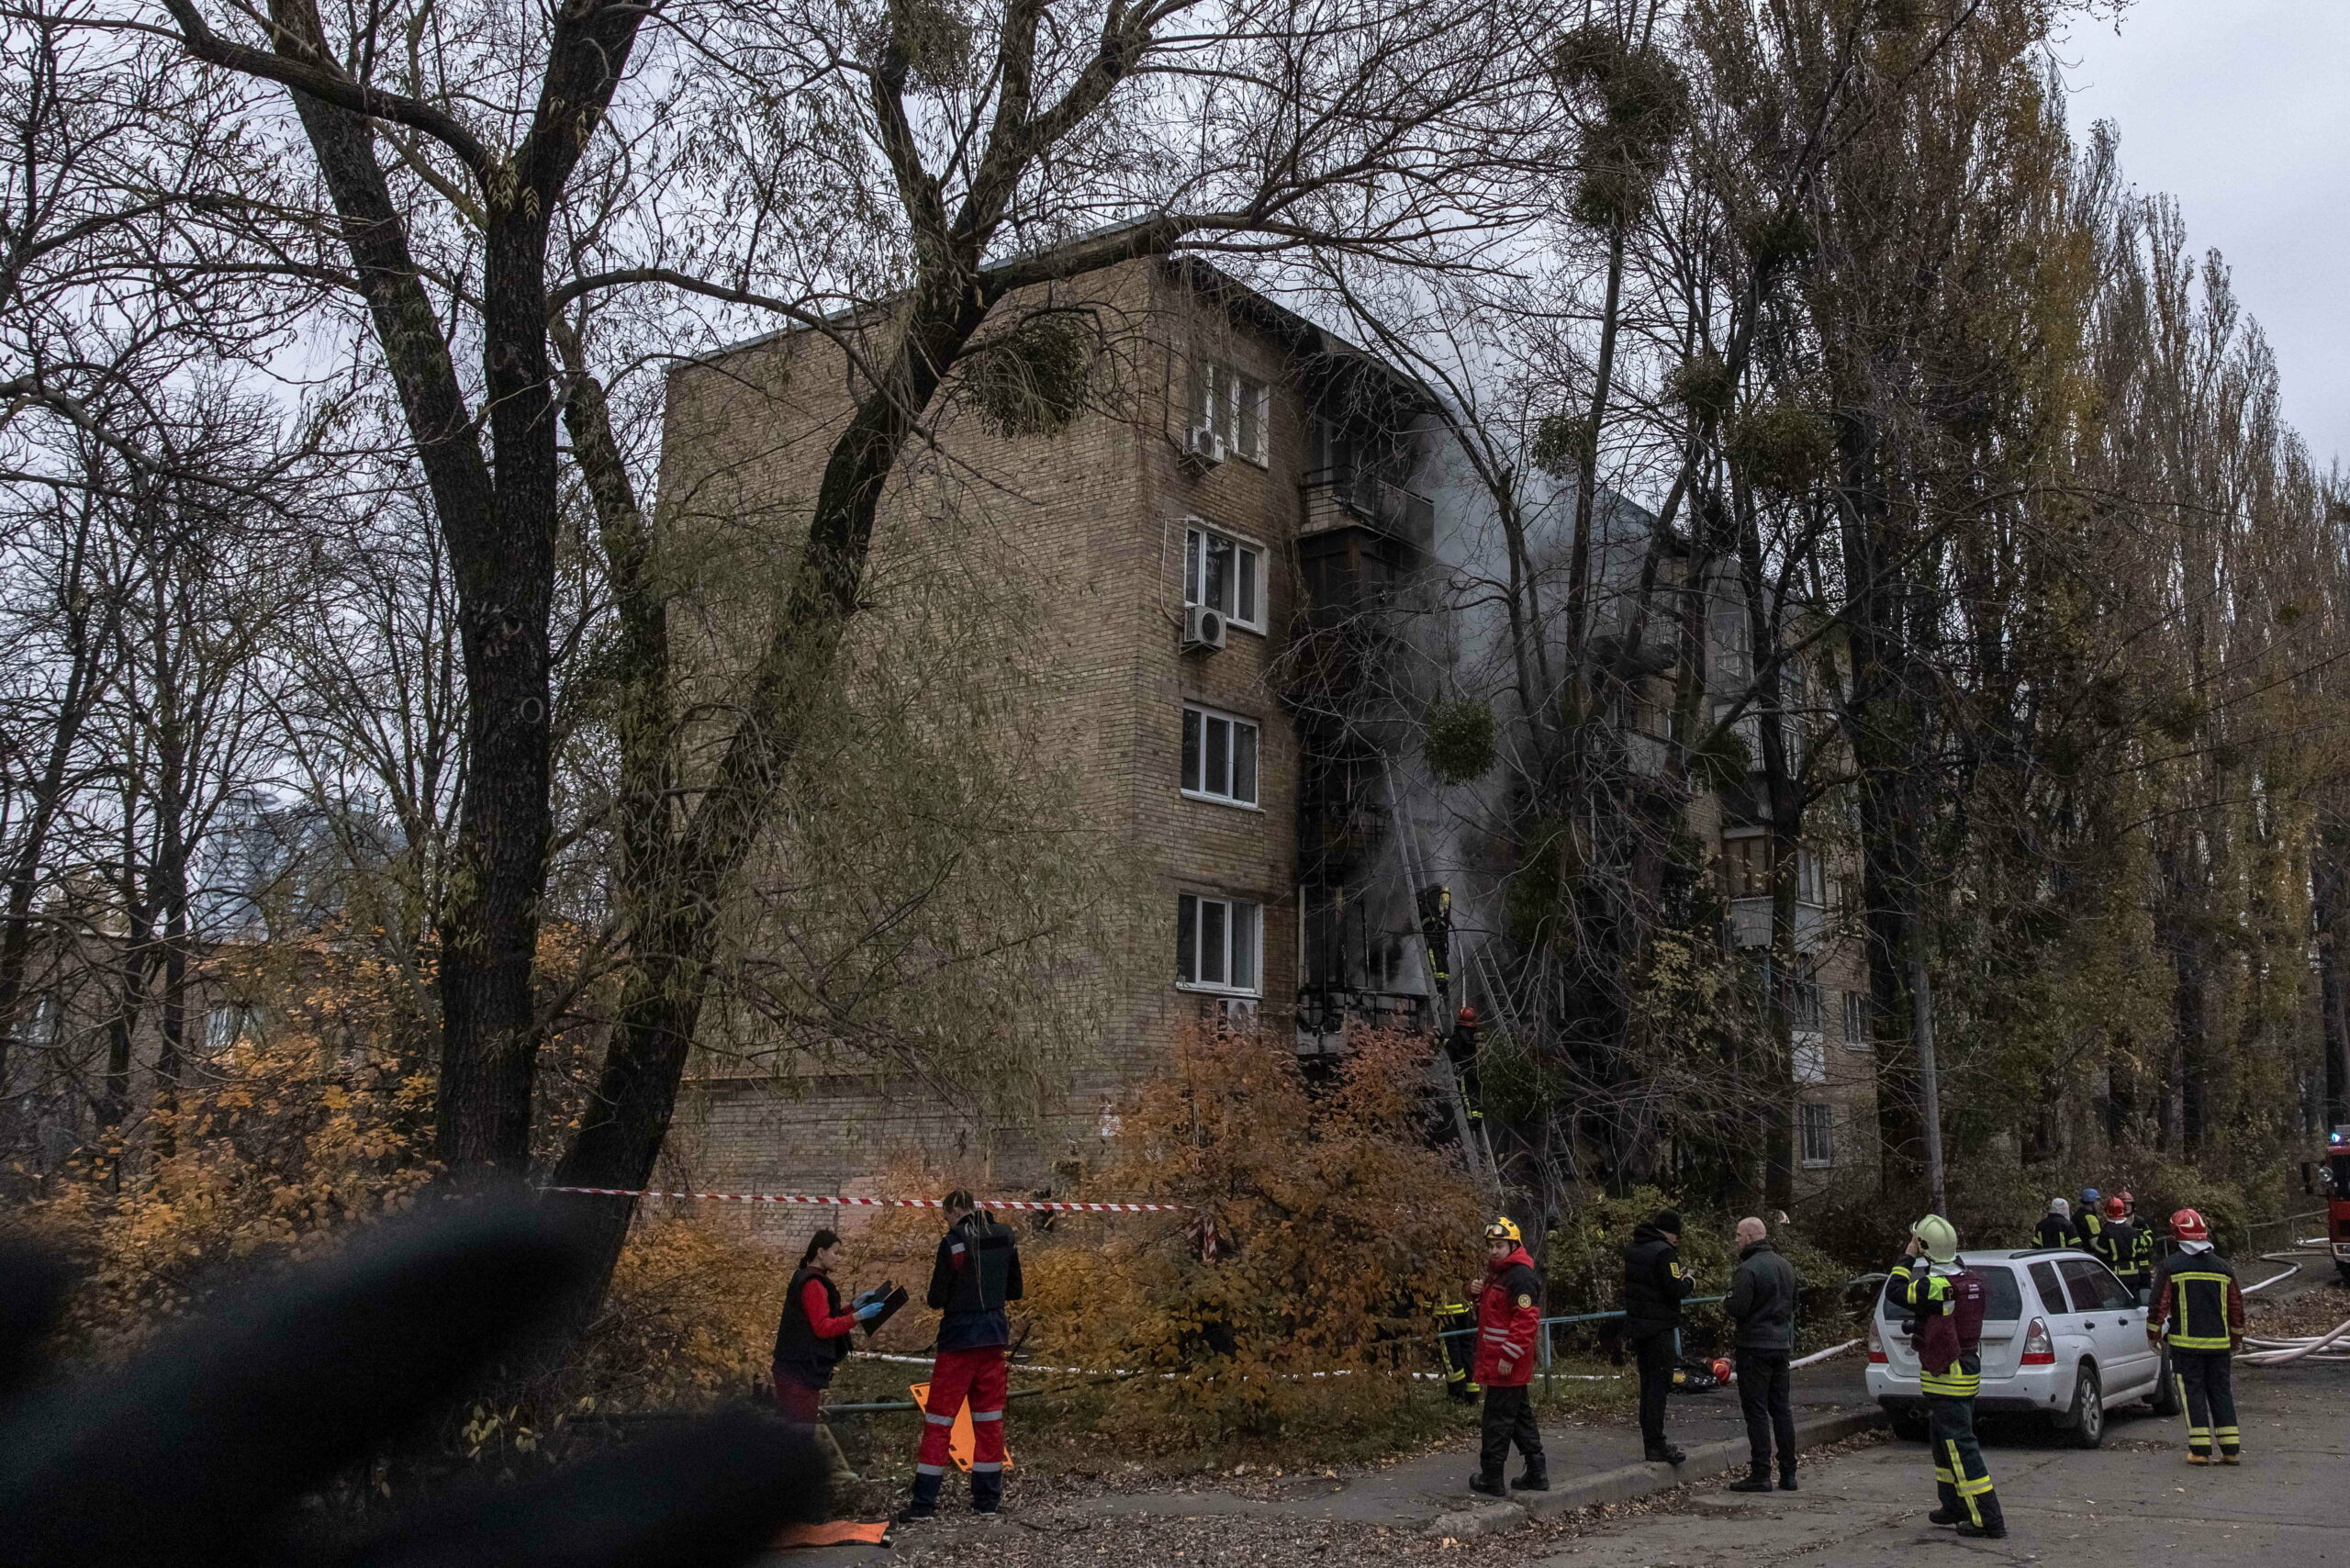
[(2115, 1239), (1509, 1315), (2055, 1226), (2143, 1251), (1456, 1336), (2199, 1309), (1655, 1284), (812, 1340), (975, 1275), (1946, 1301), (2089, 1221)]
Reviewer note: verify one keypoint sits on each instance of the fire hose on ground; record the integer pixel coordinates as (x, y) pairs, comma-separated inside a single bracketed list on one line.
[(2275, 1352)]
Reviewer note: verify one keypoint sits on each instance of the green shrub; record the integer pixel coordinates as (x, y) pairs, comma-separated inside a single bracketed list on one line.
[(1460, 742)]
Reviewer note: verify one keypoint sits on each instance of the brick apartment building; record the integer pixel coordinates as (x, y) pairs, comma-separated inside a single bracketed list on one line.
[(1249, 480)]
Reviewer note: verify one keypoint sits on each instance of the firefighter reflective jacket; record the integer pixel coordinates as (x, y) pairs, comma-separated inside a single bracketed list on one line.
[(2198, 1304), (1948, 1312), (2053, 1230), (2112, 1244), (975, 1273), (2142, 1251), (2089, 1231), (1509, 1315), (1655, 1283)]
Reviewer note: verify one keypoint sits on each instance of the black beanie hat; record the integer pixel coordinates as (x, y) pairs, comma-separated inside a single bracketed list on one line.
[(1668, 1221)]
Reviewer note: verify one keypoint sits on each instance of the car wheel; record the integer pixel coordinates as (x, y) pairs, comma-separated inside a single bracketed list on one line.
[(2085, 1422), (1909, 1423), (2164, 1400)]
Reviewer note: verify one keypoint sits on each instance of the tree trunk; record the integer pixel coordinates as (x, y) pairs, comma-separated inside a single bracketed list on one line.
[(2329, 902)]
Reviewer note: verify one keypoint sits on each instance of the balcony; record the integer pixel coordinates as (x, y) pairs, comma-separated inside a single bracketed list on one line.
[(1749, 924), (1325, 1013), (1358, 497)]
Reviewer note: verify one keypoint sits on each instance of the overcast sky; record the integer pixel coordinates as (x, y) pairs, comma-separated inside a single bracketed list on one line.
[(2241, 108)]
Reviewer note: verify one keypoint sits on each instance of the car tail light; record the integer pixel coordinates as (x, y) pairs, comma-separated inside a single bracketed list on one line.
[(1876, 1344), (2039, 1350)]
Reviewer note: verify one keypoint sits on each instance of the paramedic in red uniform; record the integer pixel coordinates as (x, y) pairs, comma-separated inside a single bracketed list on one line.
[(976, 1274), (1509, 1315)]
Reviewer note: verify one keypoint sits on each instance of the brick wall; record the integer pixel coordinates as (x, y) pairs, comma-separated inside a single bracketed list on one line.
[(1088, 526)]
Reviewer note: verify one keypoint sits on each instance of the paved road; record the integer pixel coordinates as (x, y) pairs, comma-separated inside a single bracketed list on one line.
[(2131, 1503)]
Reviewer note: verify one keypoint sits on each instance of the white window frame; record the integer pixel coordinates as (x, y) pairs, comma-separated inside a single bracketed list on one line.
[(1808, 1054), (1233, 404), (1248, 559), (1187, 753), (1815, 1116), (1191, 911), (1856, 1020)]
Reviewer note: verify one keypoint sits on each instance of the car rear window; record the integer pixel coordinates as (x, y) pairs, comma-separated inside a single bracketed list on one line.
[(2002, 1301)]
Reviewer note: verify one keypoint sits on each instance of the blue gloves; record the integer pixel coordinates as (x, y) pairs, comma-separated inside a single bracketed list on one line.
[(868, 1311)]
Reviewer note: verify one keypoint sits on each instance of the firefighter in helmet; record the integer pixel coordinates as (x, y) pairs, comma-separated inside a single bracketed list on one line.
[(1510, 1315), (1945, 1301), (2198, 1311)]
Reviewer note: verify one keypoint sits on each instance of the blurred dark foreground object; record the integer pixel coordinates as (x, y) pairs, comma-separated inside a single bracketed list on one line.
[(198, 1451)]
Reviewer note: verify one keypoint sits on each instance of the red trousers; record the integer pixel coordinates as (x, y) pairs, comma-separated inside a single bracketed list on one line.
[(977, 1375), (795, 1401)]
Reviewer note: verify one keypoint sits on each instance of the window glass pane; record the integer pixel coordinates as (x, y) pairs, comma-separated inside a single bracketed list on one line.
[(2080, 1283), (1213, 937), (1216, 587), (1191, 749), (1244, 763), (2002, 1298), (2052, 1290), (1217, 781), (1250, 426), (1203, 413), (1192, 541), (1187, 937), (1244, 946), (1245, 606)]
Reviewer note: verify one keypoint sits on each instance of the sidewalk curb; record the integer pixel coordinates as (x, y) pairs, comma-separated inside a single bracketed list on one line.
[(1630, 1481)]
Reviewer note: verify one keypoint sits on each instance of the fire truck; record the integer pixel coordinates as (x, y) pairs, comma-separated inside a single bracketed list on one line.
[(2332, 1179)]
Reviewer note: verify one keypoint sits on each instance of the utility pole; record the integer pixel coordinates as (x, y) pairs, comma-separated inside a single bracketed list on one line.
[(1921, 1020)]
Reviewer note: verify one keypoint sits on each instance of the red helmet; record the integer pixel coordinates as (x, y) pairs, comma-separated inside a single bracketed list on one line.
[(2113, 1209), (1468, 1015), (2187, 1225)]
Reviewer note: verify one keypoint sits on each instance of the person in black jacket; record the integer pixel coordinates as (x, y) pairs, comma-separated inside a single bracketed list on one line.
[(811, 1340), (974, 1276), (1761, 1303), (2055, 1226), (1655, 1284)]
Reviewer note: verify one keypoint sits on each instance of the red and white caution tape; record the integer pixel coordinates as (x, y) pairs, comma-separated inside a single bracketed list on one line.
[(827, 1200), (1205, 1225)]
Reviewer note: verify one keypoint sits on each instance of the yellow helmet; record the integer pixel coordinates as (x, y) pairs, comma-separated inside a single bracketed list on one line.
[(1504, 1229), (1938, 1237)]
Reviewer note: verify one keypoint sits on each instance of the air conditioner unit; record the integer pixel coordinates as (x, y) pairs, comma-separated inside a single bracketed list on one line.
[(1202, 627), (1204, 446)]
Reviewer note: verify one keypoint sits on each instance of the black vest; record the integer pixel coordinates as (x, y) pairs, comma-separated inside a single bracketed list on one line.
[(796, 1344)]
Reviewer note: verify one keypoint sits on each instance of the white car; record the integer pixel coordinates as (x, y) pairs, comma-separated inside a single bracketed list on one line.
[(2061, 1335)]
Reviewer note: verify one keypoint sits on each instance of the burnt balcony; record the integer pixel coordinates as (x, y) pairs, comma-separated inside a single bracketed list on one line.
[(1356, 496)]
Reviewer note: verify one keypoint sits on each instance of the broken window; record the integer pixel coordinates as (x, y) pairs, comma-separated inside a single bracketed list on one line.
[(1225, 575)]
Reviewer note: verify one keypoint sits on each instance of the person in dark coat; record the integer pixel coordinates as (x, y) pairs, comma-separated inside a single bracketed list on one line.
[(974, 1278), (1762, 1303), (812, 1340), (1655, 1284), (2055, 1227)]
